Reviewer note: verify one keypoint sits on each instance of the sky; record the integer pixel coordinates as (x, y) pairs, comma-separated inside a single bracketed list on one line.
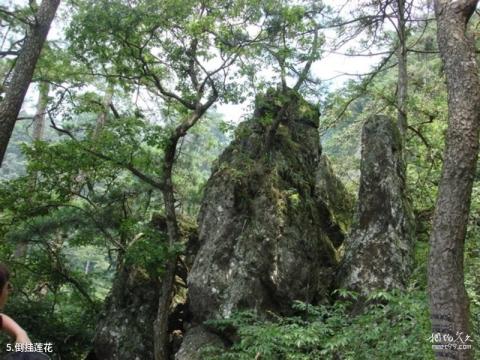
[(331, 66), (334, 64)]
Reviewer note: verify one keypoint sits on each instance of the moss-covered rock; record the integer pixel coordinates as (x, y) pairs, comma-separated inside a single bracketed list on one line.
[(126, 326), (379, 251), (125, 329), (261, 225)]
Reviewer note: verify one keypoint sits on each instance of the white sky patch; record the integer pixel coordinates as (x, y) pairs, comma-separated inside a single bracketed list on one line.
[(333, 67), (54, 34), (234, 113)]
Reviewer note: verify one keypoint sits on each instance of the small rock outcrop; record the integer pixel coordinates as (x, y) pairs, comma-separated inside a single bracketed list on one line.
[(195, 340), (263, 230), (378, 253), (125, 329)]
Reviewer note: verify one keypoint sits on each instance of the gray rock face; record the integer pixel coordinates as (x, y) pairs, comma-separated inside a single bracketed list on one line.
[(125, 331), (378, 253), (339, 201), (196, 339), (261, 226)]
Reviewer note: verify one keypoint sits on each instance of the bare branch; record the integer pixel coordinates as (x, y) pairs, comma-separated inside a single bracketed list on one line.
[(14, 16), (420, 135), (8, 52), (303, 75)]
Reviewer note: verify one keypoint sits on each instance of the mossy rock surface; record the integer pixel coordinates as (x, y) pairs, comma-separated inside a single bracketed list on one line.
[(125, 329), (262, 227), (339, 201), (126, 326), (379, 251)]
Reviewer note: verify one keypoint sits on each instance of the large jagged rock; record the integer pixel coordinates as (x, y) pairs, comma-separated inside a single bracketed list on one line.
[(262, 228), (378, 253)]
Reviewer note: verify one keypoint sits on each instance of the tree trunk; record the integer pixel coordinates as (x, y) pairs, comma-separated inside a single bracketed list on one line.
[(23, 72), (81, 178), (38, 127), (39, 118), (102, 117), (447, 296), (161, 322), (402, 70)]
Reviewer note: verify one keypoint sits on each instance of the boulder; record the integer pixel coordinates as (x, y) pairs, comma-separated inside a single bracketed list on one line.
[(194, 341), (125, 330)]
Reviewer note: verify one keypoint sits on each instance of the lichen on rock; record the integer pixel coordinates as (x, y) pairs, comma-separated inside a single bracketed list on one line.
[(378, 253)]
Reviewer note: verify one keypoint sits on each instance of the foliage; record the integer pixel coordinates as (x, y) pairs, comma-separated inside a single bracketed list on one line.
[(68, 327), (80, 216), (149, 253), (472, 264), (394, 325)]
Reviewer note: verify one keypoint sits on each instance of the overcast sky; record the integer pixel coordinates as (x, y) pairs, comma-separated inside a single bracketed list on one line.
[(331, 69), (331, 66)]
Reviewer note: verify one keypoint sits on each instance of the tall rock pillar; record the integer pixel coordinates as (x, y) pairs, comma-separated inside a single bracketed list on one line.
[(379, 251), (266, 236)]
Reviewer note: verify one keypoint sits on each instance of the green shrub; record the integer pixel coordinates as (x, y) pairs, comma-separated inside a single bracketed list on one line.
[(394, 325)]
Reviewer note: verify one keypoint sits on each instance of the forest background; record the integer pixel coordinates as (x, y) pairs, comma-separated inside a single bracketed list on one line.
[(86, 167)]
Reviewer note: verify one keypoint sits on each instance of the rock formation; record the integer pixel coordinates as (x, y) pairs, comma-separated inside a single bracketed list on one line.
[(125, 329), (265, 234), (337, 199), (378, 253)]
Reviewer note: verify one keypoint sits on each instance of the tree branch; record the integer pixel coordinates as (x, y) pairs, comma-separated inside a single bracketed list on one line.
[(152, 182)]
